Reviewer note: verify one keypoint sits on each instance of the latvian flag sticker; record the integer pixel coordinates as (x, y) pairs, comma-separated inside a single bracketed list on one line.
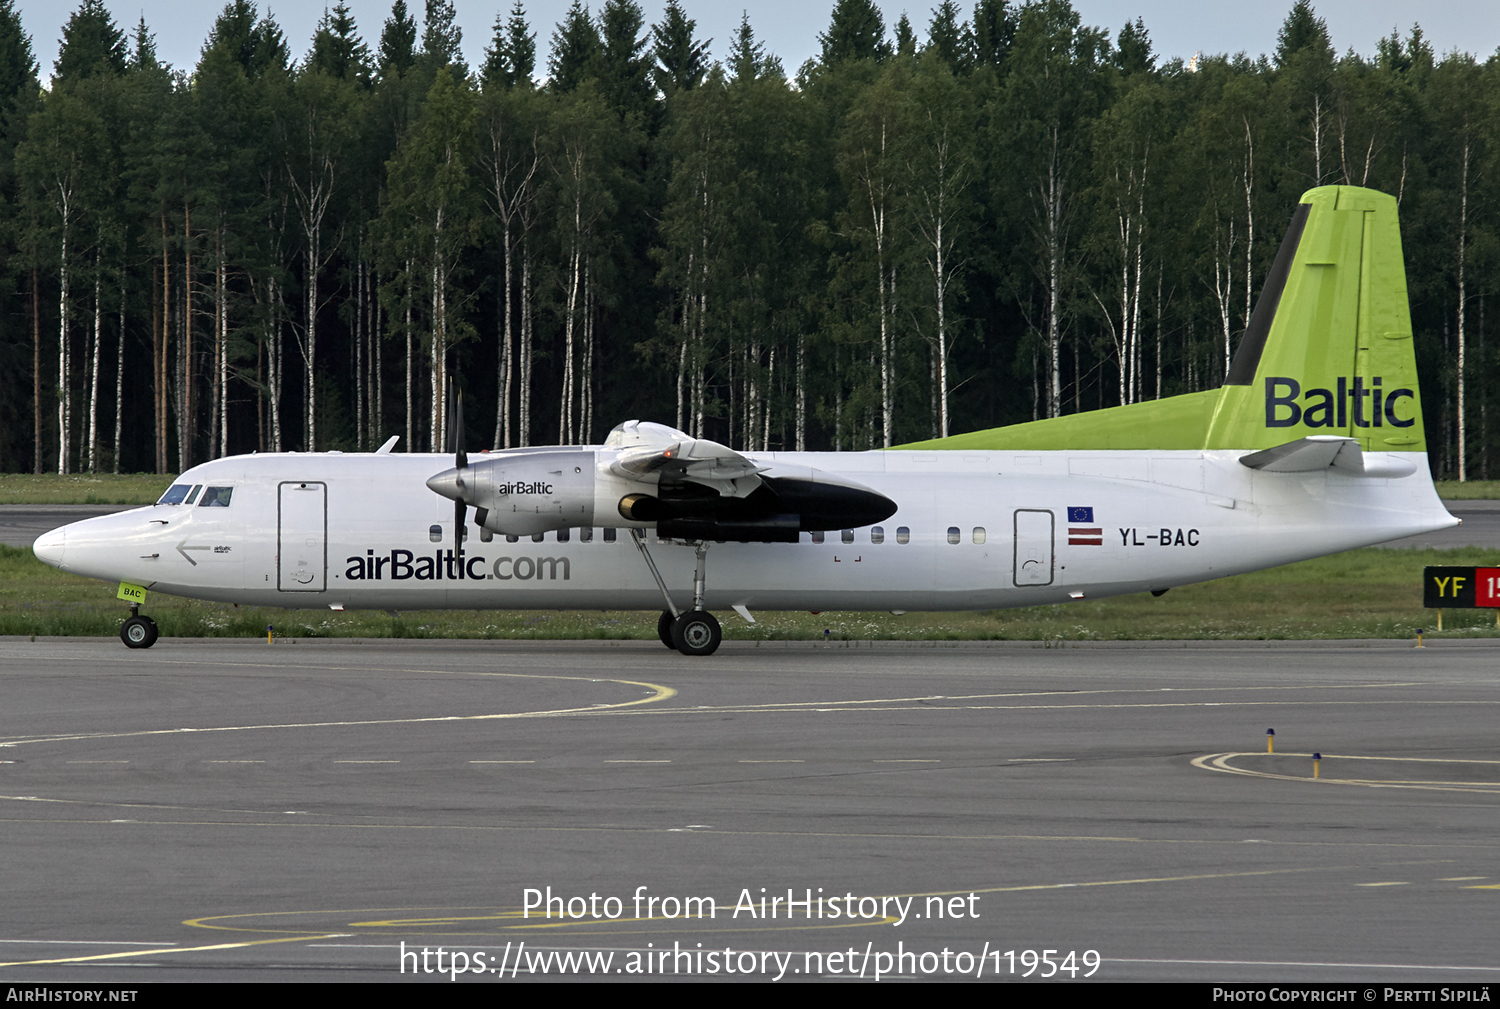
[(1081, 530)]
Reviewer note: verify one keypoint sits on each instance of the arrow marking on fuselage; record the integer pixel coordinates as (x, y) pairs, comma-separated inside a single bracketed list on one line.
[(183, 549)]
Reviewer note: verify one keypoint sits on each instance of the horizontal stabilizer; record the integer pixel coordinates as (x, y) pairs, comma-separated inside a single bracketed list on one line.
[(1325, 451)]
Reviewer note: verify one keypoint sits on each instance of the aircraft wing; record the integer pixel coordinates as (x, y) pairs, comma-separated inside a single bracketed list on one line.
[(677, 457)]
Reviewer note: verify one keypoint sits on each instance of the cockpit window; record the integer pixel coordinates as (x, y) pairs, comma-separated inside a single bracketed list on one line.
[(181, 493), (216, 497)]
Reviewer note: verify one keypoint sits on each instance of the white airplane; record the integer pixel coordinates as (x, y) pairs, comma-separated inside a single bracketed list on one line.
[(1313, 445)]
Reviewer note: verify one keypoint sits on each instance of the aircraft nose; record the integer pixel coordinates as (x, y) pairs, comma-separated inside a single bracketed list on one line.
[(49, 547)]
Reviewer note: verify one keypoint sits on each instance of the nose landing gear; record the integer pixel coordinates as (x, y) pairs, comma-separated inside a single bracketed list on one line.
[(139, 631)]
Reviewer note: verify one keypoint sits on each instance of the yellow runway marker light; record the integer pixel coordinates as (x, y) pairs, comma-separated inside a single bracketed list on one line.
[(1270, 740), (1317, 759), (1419, 638)]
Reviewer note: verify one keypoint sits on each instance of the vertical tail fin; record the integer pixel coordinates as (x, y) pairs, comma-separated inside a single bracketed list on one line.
[(1328, 351), (1329, 346)]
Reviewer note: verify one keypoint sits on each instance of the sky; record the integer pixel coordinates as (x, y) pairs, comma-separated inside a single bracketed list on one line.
[(790, 28)]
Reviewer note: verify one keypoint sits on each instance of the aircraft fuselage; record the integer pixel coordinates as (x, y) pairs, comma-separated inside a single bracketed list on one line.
[(972, 530)]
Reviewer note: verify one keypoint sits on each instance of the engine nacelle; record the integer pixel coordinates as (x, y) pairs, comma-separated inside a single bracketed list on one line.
[(525, 493), (653, 476)]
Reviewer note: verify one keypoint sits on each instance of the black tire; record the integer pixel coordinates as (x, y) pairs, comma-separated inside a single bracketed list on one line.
[(664, 628), (697, 633), (139, 632)]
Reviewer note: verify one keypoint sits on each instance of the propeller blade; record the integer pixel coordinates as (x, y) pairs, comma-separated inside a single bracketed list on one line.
[(450, 428), (460, 457)]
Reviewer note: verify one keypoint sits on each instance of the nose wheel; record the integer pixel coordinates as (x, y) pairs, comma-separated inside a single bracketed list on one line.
[(139, 632)]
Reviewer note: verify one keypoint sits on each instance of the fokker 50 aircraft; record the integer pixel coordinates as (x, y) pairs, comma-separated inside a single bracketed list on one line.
[(1314, 444)]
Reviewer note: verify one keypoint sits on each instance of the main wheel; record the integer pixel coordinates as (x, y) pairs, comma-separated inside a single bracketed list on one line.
[(697, 633), (664, 628), (139, 632)]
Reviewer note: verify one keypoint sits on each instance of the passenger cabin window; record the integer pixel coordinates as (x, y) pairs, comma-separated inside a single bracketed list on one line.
[(563, 536), (979, 534), (435, 533), (216, 497), (816, 537), (903, 534), (877, 534), (586, 534), (847, 535), (485, 536), (512, 539), (536, 537), (954, 535), (609, 535)]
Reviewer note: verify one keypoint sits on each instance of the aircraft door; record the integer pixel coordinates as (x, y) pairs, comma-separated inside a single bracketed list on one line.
[(1033, 556), (302, 537)]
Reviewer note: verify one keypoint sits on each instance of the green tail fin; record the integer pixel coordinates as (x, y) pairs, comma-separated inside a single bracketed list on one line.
[(1328, 351), (1329, 345)]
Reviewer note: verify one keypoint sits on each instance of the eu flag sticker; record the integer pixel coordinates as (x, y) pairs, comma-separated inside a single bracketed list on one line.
[(1080, 514)]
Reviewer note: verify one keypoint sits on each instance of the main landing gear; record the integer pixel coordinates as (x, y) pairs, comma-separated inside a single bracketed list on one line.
[(139, 631), (695, 632)]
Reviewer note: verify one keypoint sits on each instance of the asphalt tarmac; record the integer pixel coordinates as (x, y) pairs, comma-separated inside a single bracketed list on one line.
[(232, 811), (20, 525)]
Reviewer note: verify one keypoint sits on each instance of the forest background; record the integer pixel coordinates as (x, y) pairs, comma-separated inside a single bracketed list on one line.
[(999, 216)]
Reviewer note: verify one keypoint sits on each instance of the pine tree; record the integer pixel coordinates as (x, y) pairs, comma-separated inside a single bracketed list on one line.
[(1302, 31), (511, 58), (747, 57), (681, 60), (1133, 53), (624, 60), (91, 44), (575, 48), (950, 38), (337, 49), (906, 37), (257, 45), (19, 94), (441, 40), (398, 41), (1304, 62), (18, 68), (994, 33), (856, 33), (143, 57)]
